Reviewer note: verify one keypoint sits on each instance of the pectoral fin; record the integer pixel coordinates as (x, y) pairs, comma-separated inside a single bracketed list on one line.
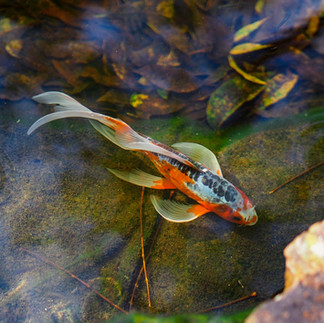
[(177, 212), (199, 153), (141, 178)]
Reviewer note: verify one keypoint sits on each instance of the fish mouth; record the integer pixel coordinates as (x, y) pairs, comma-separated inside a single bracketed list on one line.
[(250, 217)]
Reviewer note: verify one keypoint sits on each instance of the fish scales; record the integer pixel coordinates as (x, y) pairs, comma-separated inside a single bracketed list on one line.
[(207, 185)]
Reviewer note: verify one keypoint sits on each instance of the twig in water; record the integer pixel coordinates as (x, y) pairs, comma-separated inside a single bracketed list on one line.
[(299, 175), (148, 256), (142, 269), (229, 303), (73, 276), (143, 254)]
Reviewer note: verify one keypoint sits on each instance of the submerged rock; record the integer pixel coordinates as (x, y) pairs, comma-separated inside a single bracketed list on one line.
[(303, 296)]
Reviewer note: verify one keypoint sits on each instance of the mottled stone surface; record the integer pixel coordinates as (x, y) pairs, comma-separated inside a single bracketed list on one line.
[(305, 255), (303, 297), (58, 200)]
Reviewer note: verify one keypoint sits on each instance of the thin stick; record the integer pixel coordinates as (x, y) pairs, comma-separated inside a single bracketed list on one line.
[(229, 303), (143, 254), (299, 175), (73, 276), (142, 269)]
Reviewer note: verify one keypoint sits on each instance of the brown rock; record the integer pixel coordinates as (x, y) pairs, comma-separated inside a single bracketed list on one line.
[(305, 255), (303, 297)]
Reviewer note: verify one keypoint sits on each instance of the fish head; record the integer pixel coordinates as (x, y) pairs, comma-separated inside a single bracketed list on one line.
[(248, 216), (245, 211), (244, 216)]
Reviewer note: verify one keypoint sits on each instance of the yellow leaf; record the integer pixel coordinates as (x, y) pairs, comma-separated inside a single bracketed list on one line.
[(277, 89), (248, 29), (247, 48), (14, 47), (259, 6), (137, 99), (312, 26), (166, 8), (247, 76)]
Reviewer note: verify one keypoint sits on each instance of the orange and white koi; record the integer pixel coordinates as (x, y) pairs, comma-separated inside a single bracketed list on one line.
[(188, 167)]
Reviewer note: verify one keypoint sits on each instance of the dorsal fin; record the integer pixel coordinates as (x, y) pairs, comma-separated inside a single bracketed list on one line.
[(200, 154)]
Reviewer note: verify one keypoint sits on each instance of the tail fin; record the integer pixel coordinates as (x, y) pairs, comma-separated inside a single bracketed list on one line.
[(113, 129), (67, 107)]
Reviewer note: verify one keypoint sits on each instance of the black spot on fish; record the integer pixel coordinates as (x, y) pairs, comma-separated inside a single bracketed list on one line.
[(220, 191), (207, 181), (223, 183), (230, 194), (196, 176)]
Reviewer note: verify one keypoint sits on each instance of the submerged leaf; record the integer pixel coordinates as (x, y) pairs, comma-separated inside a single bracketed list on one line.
[(248, 29), (149, 105), (166, 8), (100, 77), (6, 25), (169, 78), (246, 75), (277, 89), (247, 48), (14, 47), (259, 5), (229, 97), (138, 99), (170, 59), (19, 86)]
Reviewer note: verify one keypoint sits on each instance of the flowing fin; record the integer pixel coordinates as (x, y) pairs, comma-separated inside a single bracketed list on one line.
[(199, 153), (62, 101), (177, 212), (118, 131), (141, 178)]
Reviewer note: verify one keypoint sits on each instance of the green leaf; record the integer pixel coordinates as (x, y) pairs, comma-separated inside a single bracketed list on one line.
[(229, 97), (247, 48), (248, 29), (277, 89), (246, 75)]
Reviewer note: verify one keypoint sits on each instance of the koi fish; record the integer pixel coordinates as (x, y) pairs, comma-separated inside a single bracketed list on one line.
[(189, 167)]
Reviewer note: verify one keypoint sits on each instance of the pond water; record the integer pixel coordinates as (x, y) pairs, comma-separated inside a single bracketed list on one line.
[(244, 79)]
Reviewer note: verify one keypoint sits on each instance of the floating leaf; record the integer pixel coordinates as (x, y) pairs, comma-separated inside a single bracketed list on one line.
[(229, 97), (14, 47), (247, 76), (277, 89), (247, 48), (248, 29)]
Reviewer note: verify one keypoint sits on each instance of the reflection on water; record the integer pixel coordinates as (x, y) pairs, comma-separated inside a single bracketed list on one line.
[(177, 71)]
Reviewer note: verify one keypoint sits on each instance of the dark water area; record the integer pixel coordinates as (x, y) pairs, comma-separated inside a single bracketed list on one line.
[(244, 79)]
